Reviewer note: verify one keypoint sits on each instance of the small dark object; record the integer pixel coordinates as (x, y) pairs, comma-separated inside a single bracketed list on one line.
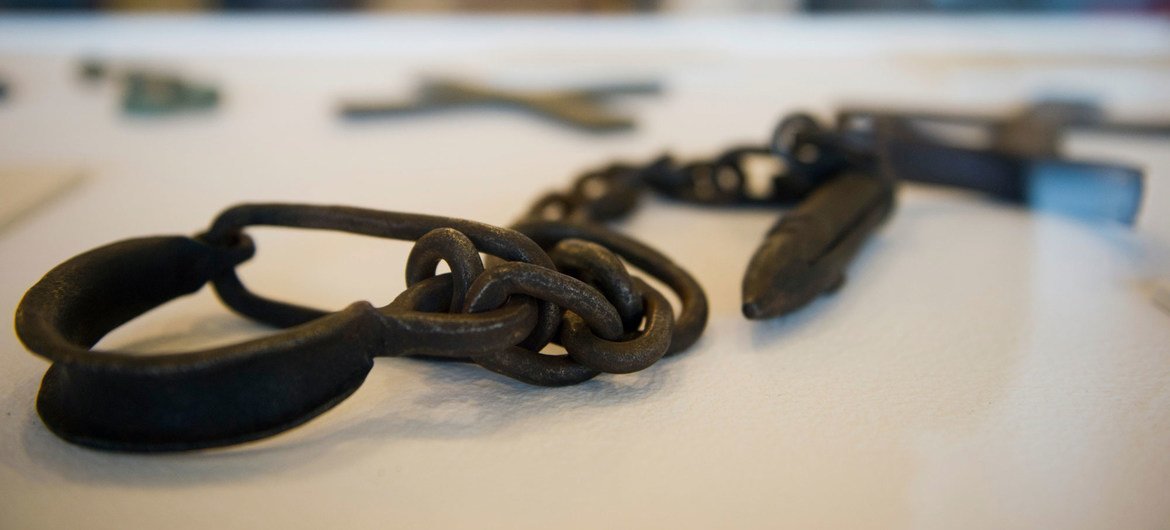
[(151, 93), (581, 108), (93, 70), (3, 90)]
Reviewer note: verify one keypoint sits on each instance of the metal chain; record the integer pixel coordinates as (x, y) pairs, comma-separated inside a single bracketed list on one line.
[(558, 276), (580, 282), (578, 294)]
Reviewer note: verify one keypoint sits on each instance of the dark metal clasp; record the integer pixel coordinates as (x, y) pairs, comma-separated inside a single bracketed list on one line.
[(806, 251)]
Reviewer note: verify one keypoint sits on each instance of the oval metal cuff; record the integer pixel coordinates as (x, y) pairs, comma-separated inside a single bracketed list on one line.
[(220, 396)]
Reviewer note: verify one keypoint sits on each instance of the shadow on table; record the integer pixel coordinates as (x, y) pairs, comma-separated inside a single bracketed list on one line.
[(460, 400)]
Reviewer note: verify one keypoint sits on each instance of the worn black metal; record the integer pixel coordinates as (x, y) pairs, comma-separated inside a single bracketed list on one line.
[(558, 276), (692, 316), (501, 282), (842, 183), (492, 240), (636, 350), (499, 316), (808, 249), (451, 246), (599, 267), (842, 197)]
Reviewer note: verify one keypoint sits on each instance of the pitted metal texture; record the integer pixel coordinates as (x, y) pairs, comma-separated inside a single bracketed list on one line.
[(500, 315)]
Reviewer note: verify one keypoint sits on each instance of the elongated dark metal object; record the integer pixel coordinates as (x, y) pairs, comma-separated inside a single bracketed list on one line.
[(807, 251), (582, 108), (1035, 130), (1087, 190), (1015, 158)]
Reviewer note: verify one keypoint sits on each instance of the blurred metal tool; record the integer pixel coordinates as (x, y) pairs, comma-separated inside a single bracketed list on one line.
[(1016, 158), (151, 93), (582, 108), (159, 94), (1033, 130)]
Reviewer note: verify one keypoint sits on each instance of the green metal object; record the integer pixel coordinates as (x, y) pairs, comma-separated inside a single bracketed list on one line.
[(156, 94), (151, 93)]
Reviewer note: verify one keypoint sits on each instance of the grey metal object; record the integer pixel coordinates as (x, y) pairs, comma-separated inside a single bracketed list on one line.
[(1032, 130), (1016, 157), (583, 108)]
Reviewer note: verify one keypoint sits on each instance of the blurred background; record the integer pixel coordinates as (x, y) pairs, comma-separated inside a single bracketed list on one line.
[(986, 365), (600, 6)]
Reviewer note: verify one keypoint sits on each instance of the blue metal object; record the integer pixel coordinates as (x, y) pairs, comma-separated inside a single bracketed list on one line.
[(1015, 158)]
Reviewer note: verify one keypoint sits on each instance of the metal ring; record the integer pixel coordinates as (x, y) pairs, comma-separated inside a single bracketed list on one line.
[(498, 283), (536, 368), (229, 394), (564, 205), (631, 354), (501, 242), (622, 189), (494, 287), (451, 246), (597, 266), (691, 318), (786, 133), (424, 333)]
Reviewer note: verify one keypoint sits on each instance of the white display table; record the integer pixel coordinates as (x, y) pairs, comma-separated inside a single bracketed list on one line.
[(983, 367)]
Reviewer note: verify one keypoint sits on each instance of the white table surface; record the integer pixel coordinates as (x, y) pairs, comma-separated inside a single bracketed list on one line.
[(984, 366)]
